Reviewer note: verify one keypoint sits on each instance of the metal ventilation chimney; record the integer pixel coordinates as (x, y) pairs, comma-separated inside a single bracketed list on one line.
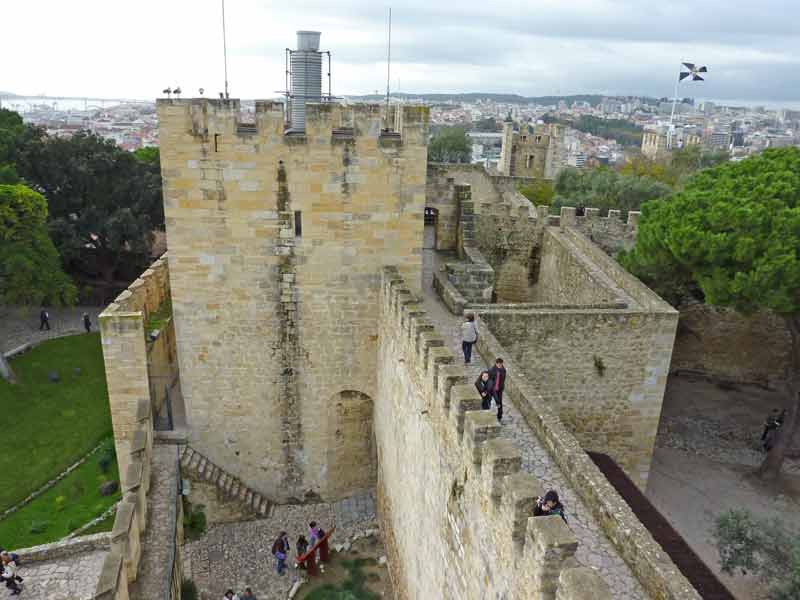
[(306, 69)]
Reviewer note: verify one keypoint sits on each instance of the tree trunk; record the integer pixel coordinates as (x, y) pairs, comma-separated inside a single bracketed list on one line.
[(5, 369), (771, 466)]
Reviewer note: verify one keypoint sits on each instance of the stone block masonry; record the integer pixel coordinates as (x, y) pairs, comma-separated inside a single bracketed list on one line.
[(277, 242), (451, 496)]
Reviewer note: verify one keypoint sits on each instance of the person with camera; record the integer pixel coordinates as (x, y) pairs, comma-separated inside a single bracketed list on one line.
[(549, 504)]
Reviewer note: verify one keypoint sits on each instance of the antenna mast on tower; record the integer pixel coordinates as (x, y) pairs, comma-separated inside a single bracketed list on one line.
[(388, 62), (225, 50)]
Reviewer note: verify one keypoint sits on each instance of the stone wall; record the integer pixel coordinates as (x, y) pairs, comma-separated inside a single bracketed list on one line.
[(276, 244), (455, 502), (599, 354), (719, 342), (568, 277), (125, 354), (655, 570), (611, 233)]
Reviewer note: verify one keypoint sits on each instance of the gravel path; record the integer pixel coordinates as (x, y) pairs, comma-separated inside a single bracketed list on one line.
[(19, 326), (594, 549)]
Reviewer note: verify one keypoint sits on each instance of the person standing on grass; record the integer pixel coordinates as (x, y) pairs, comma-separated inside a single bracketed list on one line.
[(469, 335), (497, 375), (280, 549), (44, 319), (87, 323)]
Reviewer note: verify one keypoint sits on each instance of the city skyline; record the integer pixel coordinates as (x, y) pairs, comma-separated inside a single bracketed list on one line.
[(534, 48)]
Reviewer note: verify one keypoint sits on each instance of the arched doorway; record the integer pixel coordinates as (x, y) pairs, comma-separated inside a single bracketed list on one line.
[(352, 462), (431, 222)]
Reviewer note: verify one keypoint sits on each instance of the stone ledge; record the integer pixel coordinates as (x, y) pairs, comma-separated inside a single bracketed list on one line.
[(65, 548)]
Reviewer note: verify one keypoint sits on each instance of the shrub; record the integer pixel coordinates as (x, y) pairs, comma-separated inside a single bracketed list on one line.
[(194, 520), (61, 503), (188, 590), (39, 526)]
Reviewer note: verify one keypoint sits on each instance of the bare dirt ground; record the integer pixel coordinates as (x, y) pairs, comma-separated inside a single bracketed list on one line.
[(706, 451)]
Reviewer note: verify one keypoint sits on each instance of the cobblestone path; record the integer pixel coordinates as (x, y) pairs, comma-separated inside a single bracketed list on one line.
[(21, 325), (73, 578), (594, 549), (235, 555)]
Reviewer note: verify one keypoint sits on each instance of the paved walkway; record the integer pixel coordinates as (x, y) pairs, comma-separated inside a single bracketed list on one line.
[(21, 325), (74, 578), (236, 555), (594, 549)]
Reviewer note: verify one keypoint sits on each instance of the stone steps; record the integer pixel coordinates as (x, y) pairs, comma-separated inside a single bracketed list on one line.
[(200, 468)]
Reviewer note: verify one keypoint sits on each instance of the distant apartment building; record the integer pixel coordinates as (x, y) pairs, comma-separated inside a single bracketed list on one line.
[(658, 142), (531, 150), (654, 144)]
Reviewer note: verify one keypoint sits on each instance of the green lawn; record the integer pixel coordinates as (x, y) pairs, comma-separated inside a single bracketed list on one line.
[(72, 502), (48, 426)]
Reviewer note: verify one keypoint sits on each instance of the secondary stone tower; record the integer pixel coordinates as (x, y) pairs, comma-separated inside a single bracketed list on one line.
[(277, 238)]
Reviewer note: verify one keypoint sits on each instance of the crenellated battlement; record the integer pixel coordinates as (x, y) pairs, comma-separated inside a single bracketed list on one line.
[(478, 490), (326, 122)]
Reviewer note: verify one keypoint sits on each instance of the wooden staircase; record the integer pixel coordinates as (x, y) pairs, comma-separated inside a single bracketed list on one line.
[(198, 467)]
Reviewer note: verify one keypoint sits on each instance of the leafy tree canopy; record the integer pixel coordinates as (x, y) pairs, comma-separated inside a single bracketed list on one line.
[(763, 547), (100, 198), (30, 268), (450, 145), (150, 155), (539, 192), (604, 189), (489, 124), (14, 134)]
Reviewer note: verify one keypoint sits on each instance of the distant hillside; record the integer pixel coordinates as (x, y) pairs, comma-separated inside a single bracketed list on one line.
[(7, 95), (592, 99)]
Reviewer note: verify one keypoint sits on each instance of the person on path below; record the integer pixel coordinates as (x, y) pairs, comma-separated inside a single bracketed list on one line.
[(497, 375), (315, 533), (8, 572), (87, 323), (279, 550), (229, 595), (549, 504), (248, 594), (302, 548), (484, 385), (44, 320), (469, 335)]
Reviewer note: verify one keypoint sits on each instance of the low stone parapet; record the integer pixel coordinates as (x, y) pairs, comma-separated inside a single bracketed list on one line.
[(65, 548)]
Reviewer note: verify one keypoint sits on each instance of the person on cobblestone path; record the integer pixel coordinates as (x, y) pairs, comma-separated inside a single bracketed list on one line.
[(771, 427), (229, 595), (484, 385), (44, 320), (9, 573), (549, 504), (247, 594), (497, 375), (87, 323), (302, 548), (315, 533), (469, 335), (280, 549)]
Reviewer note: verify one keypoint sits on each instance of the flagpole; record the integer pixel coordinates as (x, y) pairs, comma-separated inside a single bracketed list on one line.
[(674, 101)]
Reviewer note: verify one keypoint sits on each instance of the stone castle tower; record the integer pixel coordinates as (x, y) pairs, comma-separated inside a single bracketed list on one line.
[(277, 240), (531, 150)]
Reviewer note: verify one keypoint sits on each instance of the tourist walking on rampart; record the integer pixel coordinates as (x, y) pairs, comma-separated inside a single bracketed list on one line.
[(315, 533), (87, 323), (549, 504), (229, 595), (469, 335), (247, 595), (497, 375), (484, 385), (280, 549), (44, 320)]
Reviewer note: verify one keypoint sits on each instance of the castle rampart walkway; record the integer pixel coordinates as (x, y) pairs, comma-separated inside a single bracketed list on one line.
[(594, 550)]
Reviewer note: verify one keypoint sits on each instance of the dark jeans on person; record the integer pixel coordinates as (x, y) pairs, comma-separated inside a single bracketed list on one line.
[(44, 324), (280, 565), (467, 348), (486, 402), (498, 399)]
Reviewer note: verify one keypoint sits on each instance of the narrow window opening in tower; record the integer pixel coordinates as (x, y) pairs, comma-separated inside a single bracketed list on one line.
[(298, 223), (216, 142)]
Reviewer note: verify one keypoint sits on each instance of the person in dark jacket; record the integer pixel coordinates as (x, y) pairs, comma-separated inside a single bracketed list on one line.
[(280, 549), (87, 323), (497, 376), (549, 504), (771, 427), (483, 383), (302, 548), (44, 320)]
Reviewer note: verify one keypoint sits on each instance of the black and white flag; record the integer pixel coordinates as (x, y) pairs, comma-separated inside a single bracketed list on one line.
[(693, 71)]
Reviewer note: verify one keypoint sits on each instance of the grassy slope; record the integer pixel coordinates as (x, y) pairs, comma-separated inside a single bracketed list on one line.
[(48, 426), (71, 503)]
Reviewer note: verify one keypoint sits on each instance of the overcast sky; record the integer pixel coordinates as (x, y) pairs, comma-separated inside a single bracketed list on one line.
[(111, 48)]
